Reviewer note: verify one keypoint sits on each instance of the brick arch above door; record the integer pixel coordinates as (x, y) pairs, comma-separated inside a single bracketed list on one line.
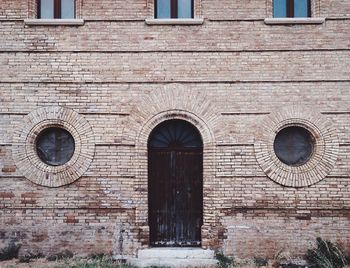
[(166, 102), (170, 101)]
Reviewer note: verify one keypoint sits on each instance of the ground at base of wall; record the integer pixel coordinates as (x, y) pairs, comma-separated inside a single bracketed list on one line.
[(43, 263), (66, 263), (83, 263)]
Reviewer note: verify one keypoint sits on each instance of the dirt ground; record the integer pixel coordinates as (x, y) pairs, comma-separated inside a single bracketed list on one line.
[(43, 263), (40, 263)]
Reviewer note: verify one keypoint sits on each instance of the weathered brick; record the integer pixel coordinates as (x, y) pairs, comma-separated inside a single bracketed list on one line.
[(121, 77)]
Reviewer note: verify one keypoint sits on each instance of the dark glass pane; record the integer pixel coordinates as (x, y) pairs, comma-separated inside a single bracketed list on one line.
[(163, 9), (280, 8), (175, 134), (55, 146), (294, 145), (46, 9), (301, 8), (67, 9), (184, 9)]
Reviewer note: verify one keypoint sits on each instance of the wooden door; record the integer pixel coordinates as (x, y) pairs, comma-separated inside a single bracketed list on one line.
[(175, 194)]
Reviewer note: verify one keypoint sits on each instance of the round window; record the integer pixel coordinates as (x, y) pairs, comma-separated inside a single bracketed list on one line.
[(55, 146), (294, 145)]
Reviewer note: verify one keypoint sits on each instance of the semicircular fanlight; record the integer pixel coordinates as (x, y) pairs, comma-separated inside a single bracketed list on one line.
[(175, 134)]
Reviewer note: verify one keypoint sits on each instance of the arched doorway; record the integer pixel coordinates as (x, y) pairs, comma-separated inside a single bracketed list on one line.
[(175, 184)]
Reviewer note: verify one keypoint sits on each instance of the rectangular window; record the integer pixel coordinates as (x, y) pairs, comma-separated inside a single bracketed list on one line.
[(291, 8), (174, 9), (56, 9)]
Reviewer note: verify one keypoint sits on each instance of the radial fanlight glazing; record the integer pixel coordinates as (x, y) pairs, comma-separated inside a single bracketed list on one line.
[(175, 134)]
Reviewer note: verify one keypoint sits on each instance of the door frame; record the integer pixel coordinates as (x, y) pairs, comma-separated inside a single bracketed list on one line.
[(209, 230)]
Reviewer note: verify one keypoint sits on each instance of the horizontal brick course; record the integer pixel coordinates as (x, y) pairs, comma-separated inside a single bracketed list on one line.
[(227, 66), (217, 36)]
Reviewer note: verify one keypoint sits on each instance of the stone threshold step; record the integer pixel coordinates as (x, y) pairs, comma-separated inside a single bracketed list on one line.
[(173, 262), (176, 253)]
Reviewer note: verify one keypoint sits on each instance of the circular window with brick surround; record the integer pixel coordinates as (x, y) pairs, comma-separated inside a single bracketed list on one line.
[(53, 146), (296, 147)]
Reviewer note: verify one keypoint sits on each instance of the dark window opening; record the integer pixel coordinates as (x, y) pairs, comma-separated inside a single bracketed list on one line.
[(294, 146), (56, 9), (55, 146), (291, 8), (175, 9)]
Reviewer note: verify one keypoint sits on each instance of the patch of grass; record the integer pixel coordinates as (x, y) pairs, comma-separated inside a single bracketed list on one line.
[(28, 257), (97, 256), (158, 267), (224, 261), (326, 255), (65, 254), (260, 261), (99, 262), (10, 252)]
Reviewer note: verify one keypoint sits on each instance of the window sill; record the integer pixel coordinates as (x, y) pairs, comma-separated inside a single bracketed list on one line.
[(294, 20), (54, 22), (174, 21)]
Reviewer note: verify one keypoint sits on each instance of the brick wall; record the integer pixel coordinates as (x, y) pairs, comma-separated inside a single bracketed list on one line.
[(123, 76), (211, 36)]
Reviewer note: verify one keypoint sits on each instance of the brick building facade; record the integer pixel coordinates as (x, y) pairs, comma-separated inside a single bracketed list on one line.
[(114, 73)]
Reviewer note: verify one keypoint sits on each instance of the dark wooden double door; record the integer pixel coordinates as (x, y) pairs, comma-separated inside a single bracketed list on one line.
[(175, 196)]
